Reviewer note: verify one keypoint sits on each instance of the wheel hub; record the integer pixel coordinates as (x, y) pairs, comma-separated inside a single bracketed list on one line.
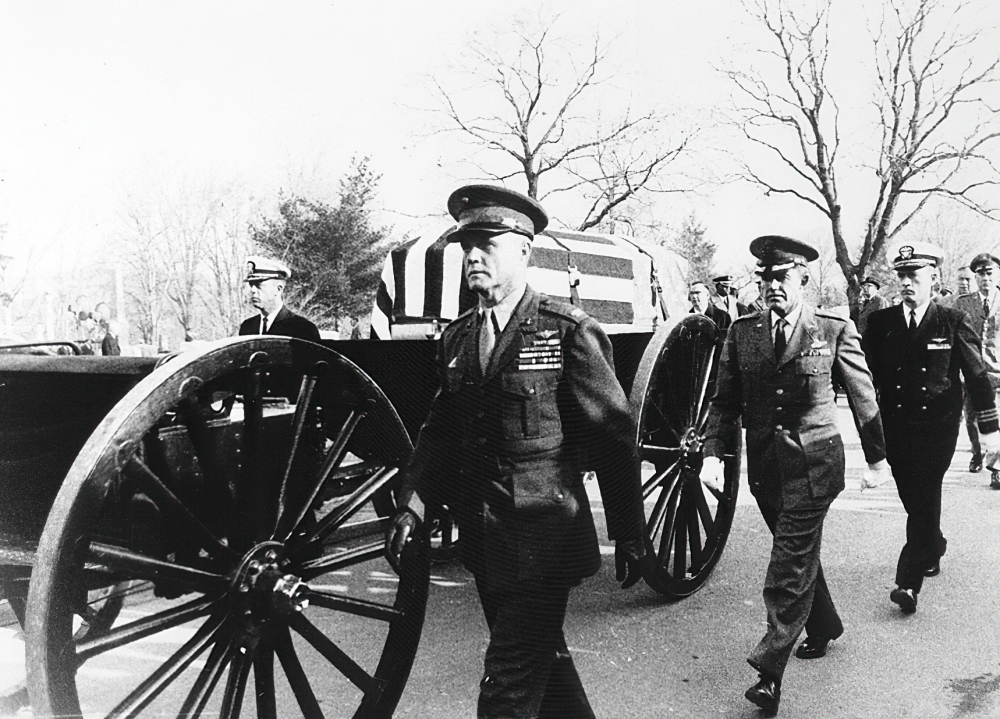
[(263, 579)]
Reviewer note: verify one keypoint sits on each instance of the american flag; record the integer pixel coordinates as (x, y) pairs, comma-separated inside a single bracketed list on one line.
[(612, 278)]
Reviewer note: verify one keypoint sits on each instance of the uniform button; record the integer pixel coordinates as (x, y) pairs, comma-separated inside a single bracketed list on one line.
[(559, 496), (777, 409), (898, 387), (924, 389), (531, 390), (923, 369), (781, 391), (899, 406), (923, 408), (778, 428)]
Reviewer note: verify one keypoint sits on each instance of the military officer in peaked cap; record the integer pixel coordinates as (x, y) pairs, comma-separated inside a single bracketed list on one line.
[(776, 373), (528, 402), (267, 279), (916, 351), (726, 300), (983, 307)]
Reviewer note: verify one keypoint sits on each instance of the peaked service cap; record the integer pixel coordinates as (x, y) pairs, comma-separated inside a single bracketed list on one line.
[(494, 210), (264, 268), (914, 255), (775, 253), (983, 259)]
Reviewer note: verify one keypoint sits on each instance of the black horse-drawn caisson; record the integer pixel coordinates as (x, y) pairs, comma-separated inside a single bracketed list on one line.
[(235, 498)]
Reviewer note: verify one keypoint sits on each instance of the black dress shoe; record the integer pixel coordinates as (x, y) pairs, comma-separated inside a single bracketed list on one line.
[(933, 571), (766, 694), (975, 464), (812, 648), (905, 598), (995, 479)]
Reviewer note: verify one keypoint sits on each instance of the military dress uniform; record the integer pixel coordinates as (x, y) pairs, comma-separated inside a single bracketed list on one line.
[(795, 454), (920, 395), (285, 322), (505, 448)]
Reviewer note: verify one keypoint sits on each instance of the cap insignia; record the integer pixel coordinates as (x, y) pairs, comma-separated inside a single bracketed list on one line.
[(906, 253)]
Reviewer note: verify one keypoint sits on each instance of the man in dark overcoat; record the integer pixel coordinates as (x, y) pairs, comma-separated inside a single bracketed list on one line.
[(983, 307), (700, 298), (528, 402), (267, 279), (916, 351), (776, 373)]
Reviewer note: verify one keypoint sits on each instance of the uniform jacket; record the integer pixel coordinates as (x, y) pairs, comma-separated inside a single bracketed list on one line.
[(286, 323), (788, 405), (719, 316), (518, 438), (721, 304), (918, 377), (986, 327), (877, 302)]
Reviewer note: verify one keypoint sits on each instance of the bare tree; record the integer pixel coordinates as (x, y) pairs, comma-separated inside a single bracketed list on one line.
[(142, 251), (934, 127), (540, 118)]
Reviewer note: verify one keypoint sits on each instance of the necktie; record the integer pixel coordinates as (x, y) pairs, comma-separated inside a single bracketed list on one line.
[(986, 307), (913, 320), (780, 341), (263, 324), (489, 333)]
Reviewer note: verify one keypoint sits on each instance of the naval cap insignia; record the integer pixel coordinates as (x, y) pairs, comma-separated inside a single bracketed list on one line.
[(905, 252)]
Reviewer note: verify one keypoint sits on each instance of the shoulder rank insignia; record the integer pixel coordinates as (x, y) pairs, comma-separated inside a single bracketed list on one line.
[(544, 353)]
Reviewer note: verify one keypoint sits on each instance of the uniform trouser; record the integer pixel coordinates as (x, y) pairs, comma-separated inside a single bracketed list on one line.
[(971, 426), (795, 593), (919, 456), (528, 670)]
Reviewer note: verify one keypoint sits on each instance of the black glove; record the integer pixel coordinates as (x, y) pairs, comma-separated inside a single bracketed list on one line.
[(630, 557), (400, 530)]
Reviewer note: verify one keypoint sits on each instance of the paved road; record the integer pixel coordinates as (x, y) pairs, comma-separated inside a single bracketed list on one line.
[(642, 657)]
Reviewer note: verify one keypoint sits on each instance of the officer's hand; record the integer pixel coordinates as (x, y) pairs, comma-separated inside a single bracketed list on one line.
[(876, 475), (991, 443), (630, 556), (712, 475), (401, 529)]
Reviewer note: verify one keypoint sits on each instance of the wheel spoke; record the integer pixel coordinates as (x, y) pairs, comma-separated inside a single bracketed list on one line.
[(679, 531), (147, 626), (342, 560), (302, 405), (669, 520), (656, 480), (146, 692), (168, 501), (207, 679), (694, 529), (334, 519), (704, 379), (333, 459), (368, 684), (707, 520), (236, 682), (140, 566), (263, 679), (373, 610), (667, 489), (297, 679)]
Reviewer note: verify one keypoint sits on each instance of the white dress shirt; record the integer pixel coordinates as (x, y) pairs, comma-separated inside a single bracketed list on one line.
[(791, 319), (918, 313), (268, 320)]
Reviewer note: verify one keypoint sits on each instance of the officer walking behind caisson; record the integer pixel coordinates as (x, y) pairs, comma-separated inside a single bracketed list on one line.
[(983, 307), (266, 279), (915, 352), (776, 372), (528, 401)]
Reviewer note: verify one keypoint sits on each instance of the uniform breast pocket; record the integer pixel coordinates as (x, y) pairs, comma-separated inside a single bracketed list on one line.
[(529, 403), (814, 375)]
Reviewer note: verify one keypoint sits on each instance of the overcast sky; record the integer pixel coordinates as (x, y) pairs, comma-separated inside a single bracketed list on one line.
[(102, 99)]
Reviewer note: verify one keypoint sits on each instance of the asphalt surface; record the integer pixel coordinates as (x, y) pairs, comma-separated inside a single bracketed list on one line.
[(640, 656)]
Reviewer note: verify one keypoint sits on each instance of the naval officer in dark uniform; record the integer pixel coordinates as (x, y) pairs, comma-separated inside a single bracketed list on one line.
[(528, 402), (916, 351), (267, 279), (776, 373)]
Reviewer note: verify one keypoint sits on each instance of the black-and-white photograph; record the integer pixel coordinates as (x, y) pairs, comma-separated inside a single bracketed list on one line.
[(527, 360)]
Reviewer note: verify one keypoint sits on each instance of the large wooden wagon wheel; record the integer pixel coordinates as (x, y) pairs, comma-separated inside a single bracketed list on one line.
[(258, 524), (686, 524)]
